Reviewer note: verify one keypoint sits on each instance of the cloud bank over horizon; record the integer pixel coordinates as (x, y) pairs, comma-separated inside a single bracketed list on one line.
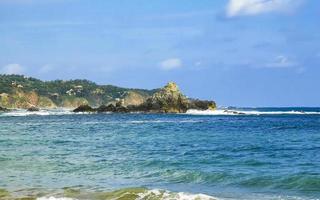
[(256, 7)]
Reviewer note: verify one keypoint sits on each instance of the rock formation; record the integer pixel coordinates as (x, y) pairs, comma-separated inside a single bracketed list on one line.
[(84, 108), (169, 99), (21, 92), (33, 109)]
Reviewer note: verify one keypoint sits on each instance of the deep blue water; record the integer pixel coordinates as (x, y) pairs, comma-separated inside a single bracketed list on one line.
[(269, 156)]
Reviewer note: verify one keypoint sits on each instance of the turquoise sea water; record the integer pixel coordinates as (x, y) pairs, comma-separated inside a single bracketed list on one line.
[(269, 153)]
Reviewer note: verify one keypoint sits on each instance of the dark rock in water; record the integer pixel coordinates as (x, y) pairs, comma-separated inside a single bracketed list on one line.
[(201, 105), (111, 108), (33, 109), (3, 109), (108, 108), (122, 109), (84, 108)]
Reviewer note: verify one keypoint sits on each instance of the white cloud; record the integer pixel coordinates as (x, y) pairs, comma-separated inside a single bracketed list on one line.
[(170, 64), (255, 7), (281, 62), (12, 69)]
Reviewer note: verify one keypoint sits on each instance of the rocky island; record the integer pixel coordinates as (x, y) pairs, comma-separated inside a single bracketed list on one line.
[(20, 92)]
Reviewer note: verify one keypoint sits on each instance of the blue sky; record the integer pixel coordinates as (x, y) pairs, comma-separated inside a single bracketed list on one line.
[(237, 52)]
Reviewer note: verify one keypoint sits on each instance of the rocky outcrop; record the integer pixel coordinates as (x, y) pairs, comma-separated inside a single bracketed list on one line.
[(201, 104), (84, 108), (33, 109), (102, 109), (109, 108), (169, 99)]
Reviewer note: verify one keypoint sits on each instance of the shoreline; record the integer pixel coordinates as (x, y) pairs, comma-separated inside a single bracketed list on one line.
[(190, 112), (146, 193), (130, 193)]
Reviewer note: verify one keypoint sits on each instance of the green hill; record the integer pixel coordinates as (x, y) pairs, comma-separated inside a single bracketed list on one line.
[(18, 91)]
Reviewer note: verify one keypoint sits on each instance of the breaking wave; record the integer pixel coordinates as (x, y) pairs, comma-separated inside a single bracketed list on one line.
[(248, 112), (136, 194), (45, 112), (54, 198), (64, 111)]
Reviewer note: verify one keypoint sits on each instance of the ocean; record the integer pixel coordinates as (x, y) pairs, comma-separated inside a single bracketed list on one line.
[(249, 153)]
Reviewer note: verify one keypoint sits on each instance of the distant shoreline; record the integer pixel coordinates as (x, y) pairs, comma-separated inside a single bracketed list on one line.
[(32, 94)]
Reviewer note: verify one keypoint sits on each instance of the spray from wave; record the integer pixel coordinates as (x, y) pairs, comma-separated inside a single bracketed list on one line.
[(248, 112)]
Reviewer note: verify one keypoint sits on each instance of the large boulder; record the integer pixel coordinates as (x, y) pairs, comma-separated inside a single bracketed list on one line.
[(33, 109), (201, 104), (84, 108)]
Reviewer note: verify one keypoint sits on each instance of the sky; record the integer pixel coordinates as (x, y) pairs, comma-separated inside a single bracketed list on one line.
[(236, 52)]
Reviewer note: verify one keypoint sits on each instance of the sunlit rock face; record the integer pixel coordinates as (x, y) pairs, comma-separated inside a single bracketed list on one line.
[(168, 99)]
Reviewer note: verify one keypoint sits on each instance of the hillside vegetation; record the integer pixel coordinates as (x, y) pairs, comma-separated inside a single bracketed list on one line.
[(18, 91)]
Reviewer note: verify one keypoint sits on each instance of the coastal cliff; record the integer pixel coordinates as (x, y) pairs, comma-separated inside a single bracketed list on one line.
[(20, 92)]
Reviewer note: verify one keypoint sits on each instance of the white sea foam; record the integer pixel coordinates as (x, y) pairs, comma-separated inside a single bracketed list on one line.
[(160, 194), (63, 111), (248, 112), (150, 194), (20, 112), (167, 195), (54, 198)]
